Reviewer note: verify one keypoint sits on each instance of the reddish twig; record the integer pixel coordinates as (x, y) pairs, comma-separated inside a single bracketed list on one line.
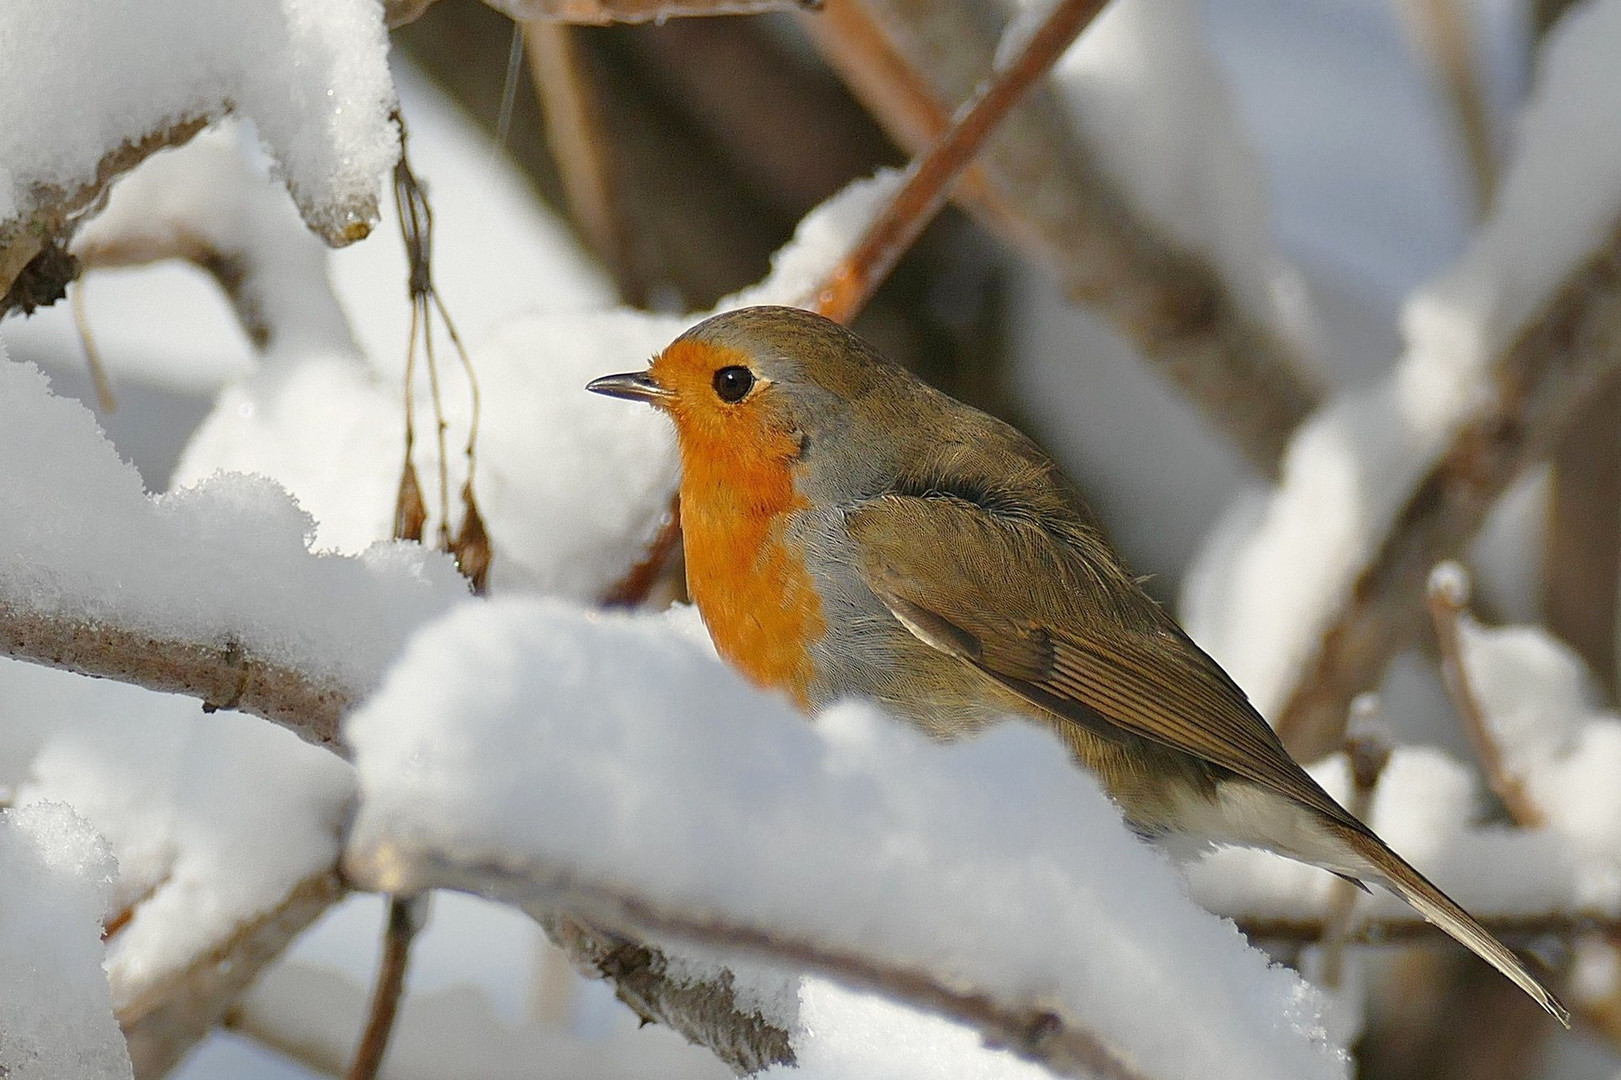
[(405, 916), (633, 589), (929, 178)]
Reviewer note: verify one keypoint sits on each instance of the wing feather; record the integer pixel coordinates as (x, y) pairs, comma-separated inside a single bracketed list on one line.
[(1057, 620)]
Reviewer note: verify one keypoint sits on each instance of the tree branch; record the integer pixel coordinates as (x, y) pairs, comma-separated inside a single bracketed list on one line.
[(1540, 382), (1031, 1030), (163, 1021), (222, 677), (1040, 189)]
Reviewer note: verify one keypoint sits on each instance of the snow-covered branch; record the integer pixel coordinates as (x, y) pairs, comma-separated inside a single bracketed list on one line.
[(610, 766), (313, 77), (1196, 304), (167, 1018), (1387, 481), (1535, 388)]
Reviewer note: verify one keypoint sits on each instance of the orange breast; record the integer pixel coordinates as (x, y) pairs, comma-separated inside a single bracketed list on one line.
[(748, 579)]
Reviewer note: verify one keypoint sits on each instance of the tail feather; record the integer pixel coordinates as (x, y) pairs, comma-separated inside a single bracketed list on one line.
[(1389, 869)]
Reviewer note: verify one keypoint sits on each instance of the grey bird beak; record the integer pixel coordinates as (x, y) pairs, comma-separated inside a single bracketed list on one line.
[(632, 386)]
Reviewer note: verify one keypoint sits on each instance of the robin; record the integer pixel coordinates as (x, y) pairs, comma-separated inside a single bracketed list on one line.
[(852, 532)]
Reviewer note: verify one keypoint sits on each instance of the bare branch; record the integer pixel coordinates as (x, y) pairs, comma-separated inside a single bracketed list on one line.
[(1039, 188), (405, 916), (706, 1012), (582, 148), (1441, 30), (1540, 382), (1581, 552), (161, 1022)]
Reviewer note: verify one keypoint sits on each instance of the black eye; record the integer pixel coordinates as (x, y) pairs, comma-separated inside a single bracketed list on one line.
[(733, 383)]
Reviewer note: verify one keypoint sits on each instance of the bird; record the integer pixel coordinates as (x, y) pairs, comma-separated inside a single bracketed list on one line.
[(850, 531)]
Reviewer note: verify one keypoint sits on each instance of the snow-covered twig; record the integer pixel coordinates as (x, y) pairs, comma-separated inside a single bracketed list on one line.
[(1448, 595), (164, 1020), (1538, 384), (1037, 186)]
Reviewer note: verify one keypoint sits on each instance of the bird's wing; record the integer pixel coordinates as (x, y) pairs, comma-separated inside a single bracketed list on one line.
[(1065, 629)]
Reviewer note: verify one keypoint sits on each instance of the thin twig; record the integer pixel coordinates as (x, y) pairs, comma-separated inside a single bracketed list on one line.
[(405, 917), (471, 545), (633, 588), (581, 148), (1441, 29), (929, 178), (1448, 596), (92, 355), (1368, 752), (165, 1019), (1041, 189)]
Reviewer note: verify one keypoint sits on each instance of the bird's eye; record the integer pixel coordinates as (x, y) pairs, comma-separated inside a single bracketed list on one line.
[(733, 383)]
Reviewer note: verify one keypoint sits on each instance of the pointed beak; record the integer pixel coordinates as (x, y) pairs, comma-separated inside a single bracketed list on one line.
[(632, 386)]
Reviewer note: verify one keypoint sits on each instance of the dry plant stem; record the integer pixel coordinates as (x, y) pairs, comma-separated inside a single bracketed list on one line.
[(404, 920), (1441, 31), (929, 178), (92, 355), (163, 1021), (1039, 188), (1029, 1029), (1540, 382), (1447, 610), (581, 147), (222, 676)]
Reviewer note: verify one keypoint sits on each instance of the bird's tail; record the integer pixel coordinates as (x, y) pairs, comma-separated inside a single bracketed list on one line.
[(1386, 868)]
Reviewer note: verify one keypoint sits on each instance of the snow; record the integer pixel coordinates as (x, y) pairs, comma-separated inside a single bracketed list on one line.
[(1143, 87), (56, 1016), (317, 1012), (572, 487), (213, 819), (1543, 710), (1260, 598), (83, 78), (847, 1033), (617, 753), (225, 563), (210, 198)]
